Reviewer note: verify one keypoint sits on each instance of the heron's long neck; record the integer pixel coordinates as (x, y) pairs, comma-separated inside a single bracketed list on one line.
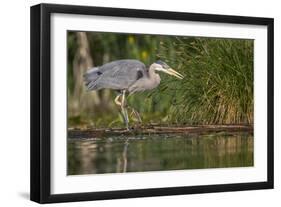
[(154, 78)]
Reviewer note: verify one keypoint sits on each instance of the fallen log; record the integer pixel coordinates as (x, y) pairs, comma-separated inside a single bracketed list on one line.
[(156, 129)]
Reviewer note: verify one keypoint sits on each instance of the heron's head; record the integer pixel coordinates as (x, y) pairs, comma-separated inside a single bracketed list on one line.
[(163, 67)]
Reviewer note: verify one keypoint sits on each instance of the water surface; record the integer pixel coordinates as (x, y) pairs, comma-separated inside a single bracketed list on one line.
[(159, 152)]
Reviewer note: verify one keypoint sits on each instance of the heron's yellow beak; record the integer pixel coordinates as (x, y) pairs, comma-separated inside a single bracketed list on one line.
[(172, 72)]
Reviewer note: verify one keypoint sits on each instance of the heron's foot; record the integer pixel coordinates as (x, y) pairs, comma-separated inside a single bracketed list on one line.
[(129, 129)]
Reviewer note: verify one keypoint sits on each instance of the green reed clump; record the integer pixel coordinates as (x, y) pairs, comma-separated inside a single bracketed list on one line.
[(218, 83)]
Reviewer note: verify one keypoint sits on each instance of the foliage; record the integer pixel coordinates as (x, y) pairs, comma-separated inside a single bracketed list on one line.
[(218, 83)]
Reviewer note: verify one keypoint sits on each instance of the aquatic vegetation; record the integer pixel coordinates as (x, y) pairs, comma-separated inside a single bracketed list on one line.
[(218, 83)]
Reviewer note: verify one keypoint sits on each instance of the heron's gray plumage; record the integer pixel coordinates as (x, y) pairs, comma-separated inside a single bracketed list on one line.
[(117, 75)]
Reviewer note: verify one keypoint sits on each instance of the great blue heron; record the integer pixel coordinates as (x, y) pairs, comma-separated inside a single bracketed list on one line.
[(127, 76)]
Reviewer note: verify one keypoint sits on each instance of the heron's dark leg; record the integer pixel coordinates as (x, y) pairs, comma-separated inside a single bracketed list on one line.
[(124, 110)]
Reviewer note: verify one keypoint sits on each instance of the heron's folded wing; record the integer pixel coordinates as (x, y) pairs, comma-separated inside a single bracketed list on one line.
[(121, 76)]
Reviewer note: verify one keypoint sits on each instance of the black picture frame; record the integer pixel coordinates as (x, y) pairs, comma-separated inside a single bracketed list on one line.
[(41, 99)]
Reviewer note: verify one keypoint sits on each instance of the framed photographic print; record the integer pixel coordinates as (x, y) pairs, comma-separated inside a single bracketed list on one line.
[(133, 103)]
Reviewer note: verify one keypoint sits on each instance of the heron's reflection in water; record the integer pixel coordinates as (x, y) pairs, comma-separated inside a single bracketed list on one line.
[(159, 152), (122, 160)]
